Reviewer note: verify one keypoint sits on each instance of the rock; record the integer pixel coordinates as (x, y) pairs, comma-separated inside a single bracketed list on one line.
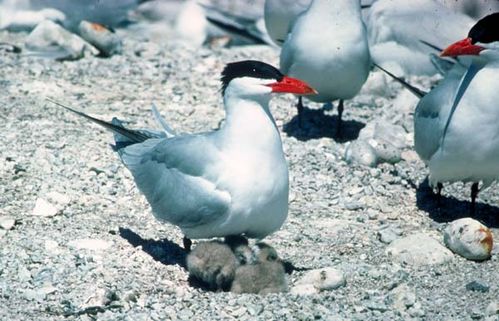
[(7, 222), (58, 198), (402, 298), (51, 39), (469, 239), (361, 152), (385, 151), (90, 244), (44, 208), (108, 42), (477, 286), (26, 20), (492, 309), (324, 279), (100, 298), (2, 233), (389, 234), (304, 289), (418, 249)]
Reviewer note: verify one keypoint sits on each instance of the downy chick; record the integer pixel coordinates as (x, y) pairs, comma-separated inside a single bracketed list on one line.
[(212, 263), (264, 275)]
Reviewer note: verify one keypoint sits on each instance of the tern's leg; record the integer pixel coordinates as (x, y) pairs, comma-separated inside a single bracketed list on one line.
[(299, 106), (187, 243), (439, 193), (340, 113), (474, 194)]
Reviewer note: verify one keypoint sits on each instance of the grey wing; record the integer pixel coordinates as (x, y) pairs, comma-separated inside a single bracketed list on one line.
[(176, 177), (432, 113)]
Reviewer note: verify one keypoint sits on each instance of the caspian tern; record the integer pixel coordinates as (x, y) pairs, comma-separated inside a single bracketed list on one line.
[(231, 181), (397, 30), (328, 48), (455, 125)]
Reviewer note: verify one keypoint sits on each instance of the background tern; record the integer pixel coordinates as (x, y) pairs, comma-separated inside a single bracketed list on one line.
[(327, 47), (231, 181), (398, 29)]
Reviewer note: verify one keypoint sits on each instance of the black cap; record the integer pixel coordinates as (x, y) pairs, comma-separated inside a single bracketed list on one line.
[(248, 68), (486, 30)]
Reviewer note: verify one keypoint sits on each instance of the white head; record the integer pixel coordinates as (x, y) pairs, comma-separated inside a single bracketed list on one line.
[(257, 80)]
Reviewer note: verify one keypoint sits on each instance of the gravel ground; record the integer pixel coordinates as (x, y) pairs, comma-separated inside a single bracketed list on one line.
[(103, 256)]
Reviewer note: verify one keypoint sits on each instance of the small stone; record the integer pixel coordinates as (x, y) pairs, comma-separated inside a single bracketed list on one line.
[(385, 151), (2, 233), (102, 38), (469, 239), (99, 298), (44, 208), (395, 134), (7, 222), (90, 244), (402, 297), (58, 198), (361, 152), (492, 309), (51, 39), (477, 286), (324, 279), (304, 289), (388, 235), (419, 249)]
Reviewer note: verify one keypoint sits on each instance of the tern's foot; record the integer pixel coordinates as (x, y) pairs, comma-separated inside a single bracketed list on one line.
[(187, 244), (299, 107)]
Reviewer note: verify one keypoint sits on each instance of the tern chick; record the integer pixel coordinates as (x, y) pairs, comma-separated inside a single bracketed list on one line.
[(212, 263), (265, 275)]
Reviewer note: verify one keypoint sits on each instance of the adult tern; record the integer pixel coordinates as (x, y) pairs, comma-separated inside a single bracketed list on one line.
[(327, 47), (231, 181)]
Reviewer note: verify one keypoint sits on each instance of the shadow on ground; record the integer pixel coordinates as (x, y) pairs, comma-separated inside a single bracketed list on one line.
[(449, 209), (163, 251), (316, 124)]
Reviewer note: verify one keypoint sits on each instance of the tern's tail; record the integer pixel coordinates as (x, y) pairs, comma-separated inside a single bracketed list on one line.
[(123, 136)]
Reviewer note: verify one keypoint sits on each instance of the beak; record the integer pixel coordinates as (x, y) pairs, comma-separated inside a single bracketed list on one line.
[(292, 86), (461, 48)]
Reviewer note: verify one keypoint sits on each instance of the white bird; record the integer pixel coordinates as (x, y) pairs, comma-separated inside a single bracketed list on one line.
[(328, 48), (455, 125), (397, 30), (279, 16), (231, 181)]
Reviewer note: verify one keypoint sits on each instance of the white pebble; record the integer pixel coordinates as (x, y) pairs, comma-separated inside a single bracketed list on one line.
[(324, 279), (44, 208), (360, 152), (469, 239), (90, 244), (7, 222), (418, 249)]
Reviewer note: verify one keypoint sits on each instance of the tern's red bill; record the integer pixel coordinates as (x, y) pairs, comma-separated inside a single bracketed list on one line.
[(462, 48), (292, 86)]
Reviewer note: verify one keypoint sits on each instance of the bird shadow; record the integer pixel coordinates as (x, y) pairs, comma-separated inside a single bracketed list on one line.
[(164, 251), (316, 124), (448, 209)]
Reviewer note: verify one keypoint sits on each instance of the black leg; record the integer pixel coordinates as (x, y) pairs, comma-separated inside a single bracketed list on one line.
[(299, 106), (439, 193), (474, 194), (187, 244), (340, 114)]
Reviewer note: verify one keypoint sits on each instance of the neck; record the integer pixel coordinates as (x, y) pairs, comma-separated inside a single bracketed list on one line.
[(249, 122)]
